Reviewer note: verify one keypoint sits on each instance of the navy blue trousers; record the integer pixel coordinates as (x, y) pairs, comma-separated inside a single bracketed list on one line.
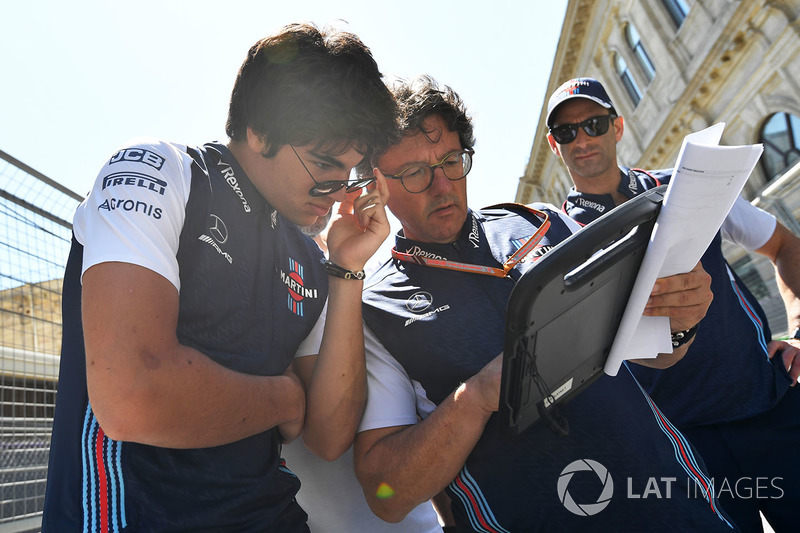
[(755, 465)]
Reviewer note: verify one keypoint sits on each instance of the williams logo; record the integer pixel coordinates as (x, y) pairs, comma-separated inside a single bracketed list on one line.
[(297, 289)]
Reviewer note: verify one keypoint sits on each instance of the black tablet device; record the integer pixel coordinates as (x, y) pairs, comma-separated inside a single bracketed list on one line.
[(564, 312)]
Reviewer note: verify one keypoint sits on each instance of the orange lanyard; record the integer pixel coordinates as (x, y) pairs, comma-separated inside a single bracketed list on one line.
[(509, 264)]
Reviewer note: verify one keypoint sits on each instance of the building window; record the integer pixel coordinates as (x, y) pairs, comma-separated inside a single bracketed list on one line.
[(627, 80), (781, 138), (677, 10), (639, 52)]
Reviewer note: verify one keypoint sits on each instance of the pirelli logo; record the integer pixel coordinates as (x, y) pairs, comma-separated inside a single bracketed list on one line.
[(135, 179)]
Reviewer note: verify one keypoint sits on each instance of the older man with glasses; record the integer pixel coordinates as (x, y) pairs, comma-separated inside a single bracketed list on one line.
[(733, 393), (435, 313)]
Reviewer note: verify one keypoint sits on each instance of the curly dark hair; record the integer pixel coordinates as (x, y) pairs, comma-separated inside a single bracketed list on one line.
[(416, 100), (305, 85)]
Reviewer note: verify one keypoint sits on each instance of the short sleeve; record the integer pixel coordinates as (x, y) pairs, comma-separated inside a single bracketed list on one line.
[(391, 399), (312, 342), (136, 209), (747, 225)]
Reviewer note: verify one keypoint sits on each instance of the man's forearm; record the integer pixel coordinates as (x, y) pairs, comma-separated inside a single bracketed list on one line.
[(788, 281), (144, 386), (189, 401), (400, 470), (337, 389), (666, 360), (783, 249)]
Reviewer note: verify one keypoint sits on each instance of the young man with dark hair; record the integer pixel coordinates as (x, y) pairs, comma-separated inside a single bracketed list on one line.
[(733, 393), (189, 288), (436, 322)]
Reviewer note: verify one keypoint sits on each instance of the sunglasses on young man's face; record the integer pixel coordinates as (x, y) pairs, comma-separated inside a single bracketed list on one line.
[(594, 127), (324, 188)]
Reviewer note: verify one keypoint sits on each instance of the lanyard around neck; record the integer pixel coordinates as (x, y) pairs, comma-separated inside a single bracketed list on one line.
[(508, 265)]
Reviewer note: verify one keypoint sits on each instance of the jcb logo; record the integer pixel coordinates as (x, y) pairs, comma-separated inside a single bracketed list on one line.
[(138, 155)]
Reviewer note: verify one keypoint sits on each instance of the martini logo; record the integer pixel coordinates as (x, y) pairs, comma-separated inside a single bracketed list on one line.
[(604, 480), (297, 290)]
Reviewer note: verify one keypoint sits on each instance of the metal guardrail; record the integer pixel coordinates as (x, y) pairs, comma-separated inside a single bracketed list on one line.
[(35, 233)]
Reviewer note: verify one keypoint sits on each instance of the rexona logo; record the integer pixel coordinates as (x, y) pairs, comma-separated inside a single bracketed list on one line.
[(230, 178), (590, 204), (298, 292), (604, 479)]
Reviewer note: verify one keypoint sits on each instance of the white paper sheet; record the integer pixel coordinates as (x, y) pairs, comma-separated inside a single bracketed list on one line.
[(705, 183)]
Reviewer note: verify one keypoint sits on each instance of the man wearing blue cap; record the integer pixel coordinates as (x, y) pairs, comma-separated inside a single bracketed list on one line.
[(732, 393)]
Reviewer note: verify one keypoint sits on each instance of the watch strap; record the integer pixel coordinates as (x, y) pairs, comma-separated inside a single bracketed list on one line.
[(679, 338)]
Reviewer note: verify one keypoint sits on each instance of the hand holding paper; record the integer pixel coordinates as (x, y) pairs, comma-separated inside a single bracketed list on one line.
[(705, 183)]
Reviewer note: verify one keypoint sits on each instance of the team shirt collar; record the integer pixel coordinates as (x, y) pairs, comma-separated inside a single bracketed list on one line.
[(585, 207), (470, 237)]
